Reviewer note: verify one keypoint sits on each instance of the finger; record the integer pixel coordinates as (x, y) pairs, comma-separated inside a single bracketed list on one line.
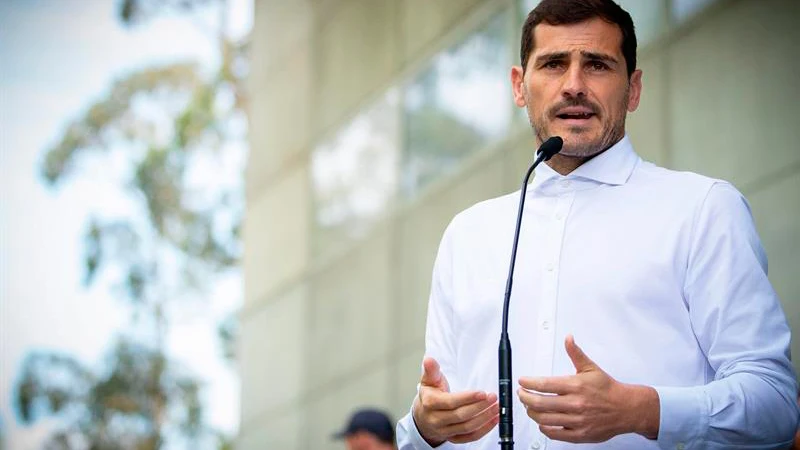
[(551, 385), (539, 403), (465, 413), (463, 420), (431, 374), (477, 434), (474, 422), (436, 400), (579, 359), (555, 419), (563, 434)]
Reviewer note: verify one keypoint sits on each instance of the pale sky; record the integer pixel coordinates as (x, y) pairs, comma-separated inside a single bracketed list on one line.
[(56, 57)]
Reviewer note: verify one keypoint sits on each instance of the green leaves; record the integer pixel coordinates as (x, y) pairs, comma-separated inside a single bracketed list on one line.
[(159, 150), (118, 118), (132, 12), (50, 384), (141, 391)]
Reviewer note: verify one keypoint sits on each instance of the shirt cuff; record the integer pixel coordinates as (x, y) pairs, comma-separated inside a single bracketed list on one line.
[(408, 436), (683, 417)]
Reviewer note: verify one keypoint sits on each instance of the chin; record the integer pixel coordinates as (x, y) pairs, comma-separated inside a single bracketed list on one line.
[(580, 153), (577, 135), (581, 148)]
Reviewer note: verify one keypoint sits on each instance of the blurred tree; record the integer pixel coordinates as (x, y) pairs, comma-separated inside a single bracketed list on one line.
[(173, 139), (134, 404)]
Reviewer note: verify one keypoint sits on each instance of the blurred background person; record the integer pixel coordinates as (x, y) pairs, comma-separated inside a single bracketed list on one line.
[(368, 429)]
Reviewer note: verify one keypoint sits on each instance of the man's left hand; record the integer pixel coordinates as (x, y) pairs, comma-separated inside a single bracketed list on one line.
[(589, 406)]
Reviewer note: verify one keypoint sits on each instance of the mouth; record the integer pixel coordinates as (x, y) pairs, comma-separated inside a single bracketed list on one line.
[(576, 117)]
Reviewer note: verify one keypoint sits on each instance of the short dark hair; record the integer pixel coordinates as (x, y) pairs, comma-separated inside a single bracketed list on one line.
[(567, 12)]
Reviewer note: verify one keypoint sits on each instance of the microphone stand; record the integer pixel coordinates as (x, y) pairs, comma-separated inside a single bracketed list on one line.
[(545, 152)]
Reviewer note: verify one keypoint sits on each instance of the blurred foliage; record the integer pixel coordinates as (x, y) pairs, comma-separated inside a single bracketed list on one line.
[(124, 407), (228, 333), (134, 11), (159, 161), (158, 133)]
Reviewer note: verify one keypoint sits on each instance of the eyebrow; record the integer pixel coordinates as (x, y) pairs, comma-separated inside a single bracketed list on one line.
[(556, 56), (599, 57), (550, 57)]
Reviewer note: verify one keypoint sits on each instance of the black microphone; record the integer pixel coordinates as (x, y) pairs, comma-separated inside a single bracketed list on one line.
[(545, 152)]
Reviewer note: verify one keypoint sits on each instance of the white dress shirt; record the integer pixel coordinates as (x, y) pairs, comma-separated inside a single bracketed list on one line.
[(658, 274)]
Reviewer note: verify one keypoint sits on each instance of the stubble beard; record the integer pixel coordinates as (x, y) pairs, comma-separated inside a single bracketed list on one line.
[(613, 131)]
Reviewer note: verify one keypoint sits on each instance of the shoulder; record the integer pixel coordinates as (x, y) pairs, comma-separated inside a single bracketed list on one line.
[(717, 210), (485, 214), (650, 173), (695, 190), (481, 220)]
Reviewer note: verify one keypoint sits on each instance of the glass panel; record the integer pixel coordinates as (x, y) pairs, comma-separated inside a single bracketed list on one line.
[(461, 103), (683, 10), (526, 6), (648, 18), (354, 174)]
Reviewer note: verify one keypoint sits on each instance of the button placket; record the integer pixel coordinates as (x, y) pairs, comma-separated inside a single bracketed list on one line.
[(551, 252)]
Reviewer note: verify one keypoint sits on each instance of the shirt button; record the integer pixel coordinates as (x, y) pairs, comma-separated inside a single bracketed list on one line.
[(559, 216), (546, 325), (535, 445), (680, 446), (550, 267), (565, 183)]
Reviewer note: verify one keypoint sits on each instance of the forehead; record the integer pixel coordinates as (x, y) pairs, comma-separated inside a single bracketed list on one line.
[(593, 35)]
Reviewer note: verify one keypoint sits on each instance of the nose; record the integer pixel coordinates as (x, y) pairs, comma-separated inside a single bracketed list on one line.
[(574, 83)]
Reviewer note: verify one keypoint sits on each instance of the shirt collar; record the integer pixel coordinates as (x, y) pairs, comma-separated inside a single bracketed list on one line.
[(614, 166)]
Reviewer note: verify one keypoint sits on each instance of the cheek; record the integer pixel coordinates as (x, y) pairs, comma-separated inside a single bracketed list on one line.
[(538, 106), (536, 98)]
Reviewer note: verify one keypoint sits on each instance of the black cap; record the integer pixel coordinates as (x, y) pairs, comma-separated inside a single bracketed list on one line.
[(372, 421)]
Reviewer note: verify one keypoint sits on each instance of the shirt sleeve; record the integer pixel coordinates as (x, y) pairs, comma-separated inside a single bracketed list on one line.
[(439, 339), (741, 328)]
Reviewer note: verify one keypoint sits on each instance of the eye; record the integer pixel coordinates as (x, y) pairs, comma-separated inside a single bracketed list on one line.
[(552, 65), (598, 66)]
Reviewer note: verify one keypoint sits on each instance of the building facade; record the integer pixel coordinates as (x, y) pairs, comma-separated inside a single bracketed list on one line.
[(373, 122)]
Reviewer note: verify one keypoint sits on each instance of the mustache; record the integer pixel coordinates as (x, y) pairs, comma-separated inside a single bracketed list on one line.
[(573, 102)]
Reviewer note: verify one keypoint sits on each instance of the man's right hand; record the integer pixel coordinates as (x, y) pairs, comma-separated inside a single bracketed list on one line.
[(456, 417)]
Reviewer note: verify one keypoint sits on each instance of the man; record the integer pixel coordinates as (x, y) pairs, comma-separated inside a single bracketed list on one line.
[(654, 281), (368, 429)]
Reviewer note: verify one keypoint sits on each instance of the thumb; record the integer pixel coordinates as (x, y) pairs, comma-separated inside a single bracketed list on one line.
[(432, 375), (579, 359)]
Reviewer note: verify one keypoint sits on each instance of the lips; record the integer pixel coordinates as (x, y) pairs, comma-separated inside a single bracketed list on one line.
[(575, 113)]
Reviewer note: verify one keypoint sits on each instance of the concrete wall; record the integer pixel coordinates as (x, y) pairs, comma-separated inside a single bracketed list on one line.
[(323, 335)]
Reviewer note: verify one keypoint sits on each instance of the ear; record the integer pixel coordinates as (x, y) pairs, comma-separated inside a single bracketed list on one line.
[(518, 85), (635, 92)]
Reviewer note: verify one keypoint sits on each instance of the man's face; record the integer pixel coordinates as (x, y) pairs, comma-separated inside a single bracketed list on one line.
[(576, 86), (365, 441)]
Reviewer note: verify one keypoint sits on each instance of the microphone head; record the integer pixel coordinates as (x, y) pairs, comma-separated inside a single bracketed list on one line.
[(550, 147)]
